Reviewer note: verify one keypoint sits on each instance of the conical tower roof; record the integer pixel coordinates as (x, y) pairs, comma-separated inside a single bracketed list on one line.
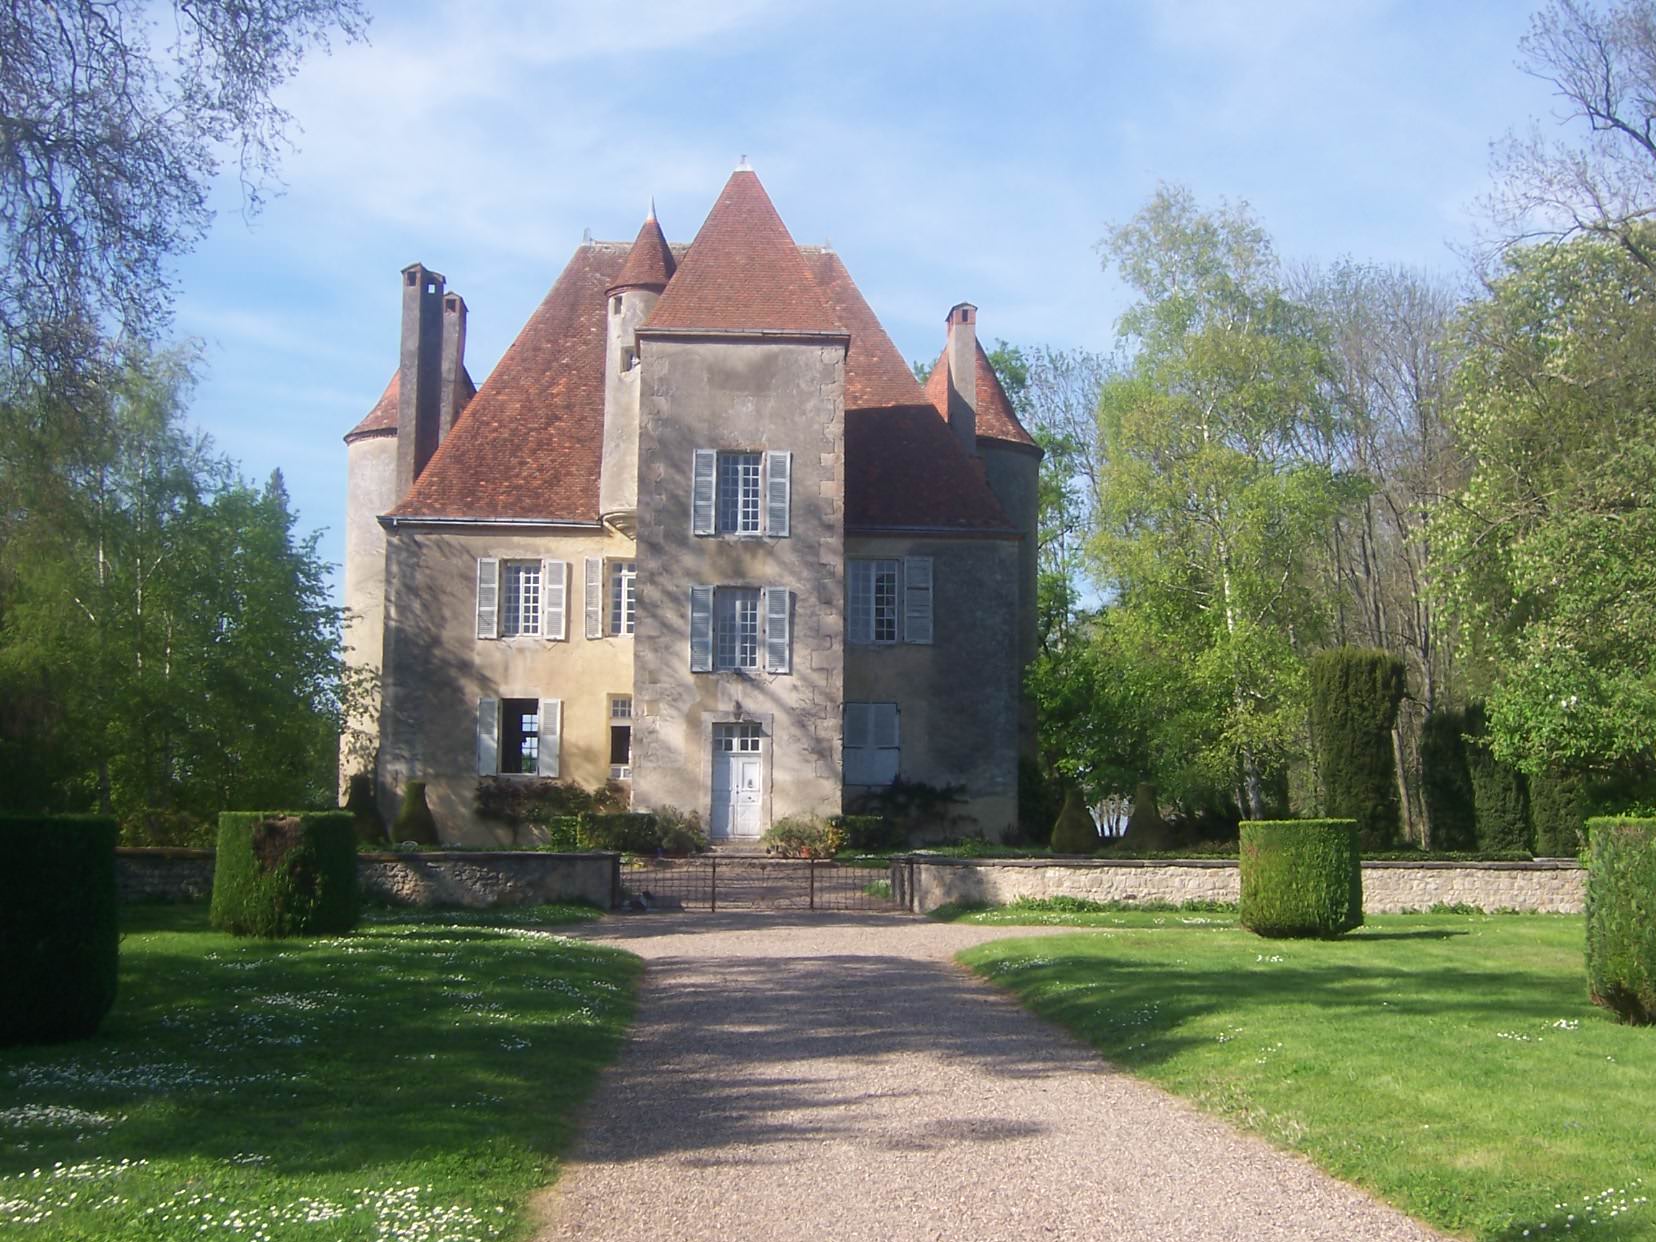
[(743, 273), (650, 262)]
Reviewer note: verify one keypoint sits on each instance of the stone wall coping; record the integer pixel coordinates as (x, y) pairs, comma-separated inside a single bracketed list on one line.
[(937, 860), (476, 855)]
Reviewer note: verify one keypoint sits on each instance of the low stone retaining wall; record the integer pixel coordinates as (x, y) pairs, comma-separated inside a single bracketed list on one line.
[(922, 884), (461, 878)]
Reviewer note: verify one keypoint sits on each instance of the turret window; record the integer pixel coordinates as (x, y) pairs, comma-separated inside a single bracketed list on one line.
[(888, 601)]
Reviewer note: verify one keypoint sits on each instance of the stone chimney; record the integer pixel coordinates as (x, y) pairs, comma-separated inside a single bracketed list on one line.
[(420, 374), (962, 361), (454, 364)]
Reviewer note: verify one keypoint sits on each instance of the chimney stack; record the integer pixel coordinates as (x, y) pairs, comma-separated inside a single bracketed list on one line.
[(962, 362), (454, 363), (419, 374)]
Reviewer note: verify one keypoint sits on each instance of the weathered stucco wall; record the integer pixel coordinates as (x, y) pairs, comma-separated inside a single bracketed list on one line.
[(1013, 472), (748, 396), (370, 490), (437, 668), (1388, 887), (957, 697)]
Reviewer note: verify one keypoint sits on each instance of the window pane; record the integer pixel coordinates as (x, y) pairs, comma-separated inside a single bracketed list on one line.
[(520, 735), (738, 493), (623, 596), (521, 606), (736, 627), (885, 601)]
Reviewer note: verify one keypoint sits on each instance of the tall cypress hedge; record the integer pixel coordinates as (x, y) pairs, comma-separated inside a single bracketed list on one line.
[(59, 941), (1446, 781), (1621, 917), (1561, 801), (1354, 698), (285, 873), (1500, 796), (1300, 877)]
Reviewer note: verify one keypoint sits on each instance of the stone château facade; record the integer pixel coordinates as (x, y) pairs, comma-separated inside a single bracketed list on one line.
[(701, 532)]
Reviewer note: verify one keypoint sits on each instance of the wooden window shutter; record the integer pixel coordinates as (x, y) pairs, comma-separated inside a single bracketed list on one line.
[(551, 732), (703, 481), (701, 629), (778, 618), (488, 736), (917, 599), (594, 597), (778, 483), (555, 599), (488, 597), (884, 755), (856, 744)]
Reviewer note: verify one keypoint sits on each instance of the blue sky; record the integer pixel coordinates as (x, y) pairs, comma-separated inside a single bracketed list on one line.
[(959, 151)]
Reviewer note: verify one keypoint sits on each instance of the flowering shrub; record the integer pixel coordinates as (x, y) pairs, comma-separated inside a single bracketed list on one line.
[(804, 836)]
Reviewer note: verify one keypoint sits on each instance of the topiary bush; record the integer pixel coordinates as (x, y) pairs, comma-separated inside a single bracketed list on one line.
[(1074, 832), (1300, 877), (1500, 797), (414, 820), (363, 805), (1446, 781), (1354, 698), (804, 836), (1621, 917), (57, 926), (1561, 802), (285, 873)]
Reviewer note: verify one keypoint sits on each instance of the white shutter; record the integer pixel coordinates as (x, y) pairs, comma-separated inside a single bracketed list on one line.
[(701, 629), (488, 736), (778, 602), (778, 483), (917, 599), (488, 597), (702, 484), (555, 599), (594, 597), (551, 731)]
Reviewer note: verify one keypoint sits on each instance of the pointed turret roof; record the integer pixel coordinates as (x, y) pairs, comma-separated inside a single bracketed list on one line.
[(650, 262), (743, 273), (382, 419), (995, 417)]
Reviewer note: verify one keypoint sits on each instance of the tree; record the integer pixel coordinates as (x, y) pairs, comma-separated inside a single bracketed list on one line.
[(113, 125), (1547, 559), (1209, 507)]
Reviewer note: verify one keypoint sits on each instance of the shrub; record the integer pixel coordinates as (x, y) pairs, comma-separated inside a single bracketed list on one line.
[(1300, 877), (679, 832), (1560, 805), (1354, 698), (1621, 917), (285, 873), (1446, 781), (363, 805), (1499, 796), (1040, 799), (414, 820), (1146, 829), (155, 826), (627, 832), (1075, 832), (562, 833), (915, 810), (58, 926), (869, 833), (804, 836)]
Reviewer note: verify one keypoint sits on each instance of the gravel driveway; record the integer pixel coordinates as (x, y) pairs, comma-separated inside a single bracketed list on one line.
[(840, 1077)]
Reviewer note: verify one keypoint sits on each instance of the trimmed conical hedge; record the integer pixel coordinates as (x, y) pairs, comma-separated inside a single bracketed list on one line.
[(1300, 877), (1354, 698), (414, 820), (285, 873), (1074, 831)]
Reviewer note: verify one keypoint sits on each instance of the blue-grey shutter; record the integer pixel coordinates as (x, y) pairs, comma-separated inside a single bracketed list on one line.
[(701, 629), (917, 599), (778, 483), (778, 601), (551, 732), (702, 484), (855, 758), (594, 598), (555, 599), (488, 736), (488, 597), (883, 738)]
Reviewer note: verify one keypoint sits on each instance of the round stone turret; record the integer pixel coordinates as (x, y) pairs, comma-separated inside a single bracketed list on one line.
[(631, 298)]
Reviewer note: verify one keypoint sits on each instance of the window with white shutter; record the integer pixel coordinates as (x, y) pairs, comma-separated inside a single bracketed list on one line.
[(488, 735), (917, 599), (778, 483), (871, 748), (488, 597), (778, 623), (701, 629), (555, 599), (593, 597), (702, 485), (551, 733), (871, 601)]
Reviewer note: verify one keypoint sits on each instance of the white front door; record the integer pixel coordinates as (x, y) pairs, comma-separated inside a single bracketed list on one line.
[(738, 781)]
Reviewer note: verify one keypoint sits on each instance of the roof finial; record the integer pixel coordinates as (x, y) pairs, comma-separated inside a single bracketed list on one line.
[(586, 237), (651, 216), (744, 166)]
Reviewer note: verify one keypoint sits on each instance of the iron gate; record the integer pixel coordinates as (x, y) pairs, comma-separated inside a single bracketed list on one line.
[(712, 883)]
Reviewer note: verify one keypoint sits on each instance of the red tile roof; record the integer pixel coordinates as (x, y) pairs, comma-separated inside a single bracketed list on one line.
[(530, 444), (382, 419), (743, 272), (995, 419), (650, 262)]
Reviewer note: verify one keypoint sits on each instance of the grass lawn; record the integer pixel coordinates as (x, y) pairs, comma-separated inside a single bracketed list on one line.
[(415, 1080), (1451, 1064)]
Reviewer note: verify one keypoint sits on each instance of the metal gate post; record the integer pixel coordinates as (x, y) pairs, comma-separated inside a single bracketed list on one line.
[(812, 865), (713, 888)]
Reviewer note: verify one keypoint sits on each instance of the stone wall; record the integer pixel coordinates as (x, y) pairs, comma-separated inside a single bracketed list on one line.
[(1552, 887), (475, 879)]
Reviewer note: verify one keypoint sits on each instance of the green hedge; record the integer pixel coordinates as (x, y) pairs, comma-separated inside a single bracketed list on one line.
[(285, 873), (1354, 697), (1300, 877), (1561, 802), (629, 832), (1621, 917), (58, 926), (1446, 781), (869, 833), (1074, 832), (1499, 793)]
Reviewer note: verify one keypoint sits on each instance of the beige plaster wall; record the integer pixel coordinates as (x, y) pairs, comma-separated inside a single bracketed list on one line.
[(437, 668), (746, 395), (370, 490), (958, 696)]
